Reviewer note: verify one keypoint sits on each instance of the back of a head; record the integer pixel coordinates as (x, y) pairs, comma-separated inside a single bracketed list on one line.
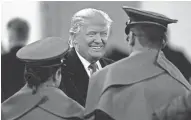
[(37, 75), (150, 35), (42, 59), (20, 28), (151, 26)]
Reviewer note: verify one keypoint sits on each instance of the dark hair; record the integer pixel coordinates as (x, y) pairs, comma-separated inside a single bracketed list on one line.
[(21, 27), (35, 75), (154, 34)]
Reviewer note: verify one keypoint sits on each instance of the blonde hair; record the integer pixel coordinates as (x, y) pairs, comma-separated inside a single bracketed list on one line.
[(81, 16)]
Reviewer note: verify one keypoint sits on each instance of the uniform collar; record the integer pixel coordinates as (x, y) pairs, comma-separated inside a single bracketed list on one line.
[(60, 104), (145, 51)]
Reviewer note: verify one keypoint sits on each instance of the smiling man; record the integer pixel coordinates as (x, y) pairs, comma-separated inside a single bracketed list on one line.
[(89, 34)]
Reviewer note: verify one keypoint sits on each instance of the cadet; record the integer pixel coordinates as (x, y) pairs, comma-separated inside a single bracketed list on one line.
[(40, 99), (132, 88)]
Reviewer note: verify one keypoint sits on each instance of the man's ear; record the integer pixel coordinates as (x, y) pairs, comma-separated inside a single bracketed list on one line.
[(57, 74), (132, 40)]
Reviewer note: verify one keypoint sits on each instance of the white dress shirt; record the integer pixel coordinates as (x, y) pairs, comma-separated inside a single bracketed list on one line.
[(86, 64)]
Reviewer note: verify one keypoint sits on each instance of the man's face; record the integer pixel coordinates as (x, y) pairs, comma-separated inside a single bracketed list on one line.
[(91, 40)]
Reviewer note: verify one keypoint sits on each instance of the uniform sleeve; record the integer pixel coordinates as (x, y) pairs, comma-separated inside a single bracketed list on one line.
[(178, 109)]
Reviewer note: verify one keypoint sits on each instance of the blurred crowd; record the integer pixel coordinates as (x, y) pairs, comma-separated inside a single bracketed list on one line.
[(11, 68)]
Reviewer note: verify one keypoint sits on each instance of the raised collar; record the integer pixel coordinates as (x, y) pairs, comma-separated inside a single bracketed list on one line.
[(60, 104)]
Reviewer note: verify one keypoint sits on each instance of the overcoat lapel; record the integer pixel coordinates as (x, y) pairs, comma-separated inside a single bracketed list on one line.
[(104, 62), (74, 74), (74, 65)]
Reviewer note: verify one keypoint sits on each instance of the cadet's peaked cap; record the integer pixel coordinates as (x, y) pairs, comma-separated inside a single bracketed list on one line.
[(138, 17), (45, 52)]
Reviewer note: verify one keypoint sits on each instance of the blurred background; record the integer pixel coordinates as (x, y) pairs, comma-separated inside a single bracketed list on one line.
[(52, 18)]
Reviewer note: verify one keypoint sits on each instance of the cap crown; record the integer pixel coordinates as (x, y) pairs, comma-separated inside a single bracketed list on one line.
[(47, 51)]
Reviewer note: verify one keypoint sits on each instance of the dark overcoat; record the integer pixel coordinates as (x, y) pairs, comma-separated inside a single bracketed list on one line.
[(10, 84), (75, 79)]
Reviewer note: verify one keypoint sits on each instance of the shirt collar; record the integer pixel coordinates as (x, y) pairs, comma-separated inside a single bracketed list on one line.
[(83, 60), (87, 63)]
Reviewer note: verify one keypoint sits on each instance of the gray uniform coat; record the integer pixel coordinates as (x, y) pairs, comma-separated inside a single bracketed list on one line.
[(134, 87), (47, 104)]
